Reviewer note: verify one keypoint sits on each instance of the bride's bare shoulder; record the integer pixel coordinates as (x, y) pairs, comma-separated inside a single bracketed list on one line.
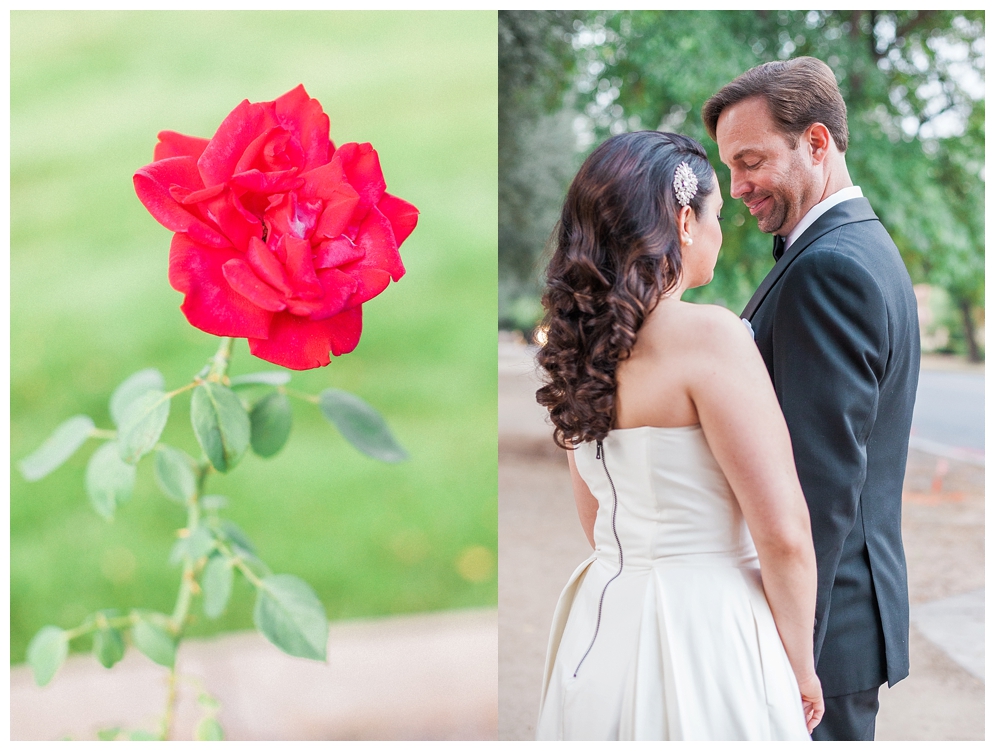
[(707, 327)]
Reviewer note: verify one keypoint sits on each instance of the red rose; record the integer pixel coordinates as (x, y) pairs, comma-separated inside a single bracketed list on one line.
[(280, 237)]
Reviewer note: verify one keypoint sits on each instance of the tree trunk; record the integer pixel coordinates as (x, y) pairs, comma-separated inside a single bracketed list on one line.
[(973, 354)]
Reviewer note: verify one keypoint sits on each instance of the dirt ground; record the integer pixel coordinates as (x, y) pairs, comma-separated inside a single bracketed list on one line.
[(431, 676), (540, 543)]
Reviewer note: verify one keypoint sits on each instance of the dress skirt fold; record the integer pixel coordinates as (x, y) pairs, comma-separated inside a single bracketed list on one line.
[(685, 646)]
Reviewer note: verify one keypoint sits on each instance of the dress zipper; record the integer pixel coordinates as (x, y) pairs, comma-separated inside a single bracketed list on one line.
[(600, 454)]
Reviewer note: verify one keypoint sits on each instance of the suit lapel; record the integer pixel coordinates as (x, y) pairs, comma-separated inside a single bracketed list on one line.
[(848, 212)]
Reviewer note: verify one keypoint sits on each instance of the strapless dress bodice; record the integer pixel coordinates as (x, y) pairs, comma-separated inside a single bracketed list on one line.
[(674, 504)]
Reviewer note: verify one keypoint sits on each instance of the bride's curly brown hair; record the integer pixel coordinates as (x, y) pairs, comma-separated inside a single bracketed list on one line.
[(617, 253)]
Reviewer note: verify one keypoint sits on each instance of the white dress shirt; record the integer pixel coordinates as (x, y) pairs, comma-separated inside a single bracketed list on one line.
[(819, 209)]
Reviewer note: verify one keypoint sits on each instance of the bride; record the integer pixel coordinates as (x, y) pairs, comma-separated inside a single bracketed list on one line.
[(693, 617)]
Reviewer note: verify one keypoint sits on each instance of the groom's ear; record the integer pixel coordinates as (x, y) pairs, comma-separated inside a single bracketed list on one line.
[(818, 141)]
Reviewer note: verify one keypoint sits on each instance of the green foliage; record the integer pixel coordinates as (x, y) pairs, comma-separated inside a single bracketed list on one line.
[(220, 423), (536, 146), (208, 729), (175, 474), (217, 582), (90, 303), (267, 378), (109, 480), (108, 643), (155, 642), (57, 448), (142, 422), (46, 653), (291, 616), (132, 388), (361, 425), (270, 419), (913, 85)]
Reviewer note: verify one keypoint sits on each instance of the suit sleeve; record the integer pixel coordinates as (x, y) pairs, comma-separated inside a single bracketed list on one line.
[(829, 354)]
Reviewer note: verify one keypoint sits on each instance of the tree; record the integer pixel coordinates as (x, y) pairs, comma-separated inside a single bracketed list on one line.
[(536, 150), (913, 84)]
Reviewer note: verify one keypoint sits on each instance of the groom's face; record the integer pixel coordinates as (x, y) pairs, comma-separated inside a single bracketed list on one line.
[(770, 176)]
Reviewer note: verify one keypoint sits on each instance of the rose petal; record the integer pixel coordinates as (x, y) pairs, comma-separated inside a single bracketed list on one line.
[(376, 238), (300, 269), (362, 170), (172, 143), (323, 181), (403, 216), (243, 280), (303, 116), (337, 252), (282, 151), (242, 126), (266, 265), (210, 303), (153, 183), (339, 207), (188, 197), (369, 284), (238, 224), (339, 289), (267, 182), (300, 344), (344, 330), (292, 217), (253, 150)]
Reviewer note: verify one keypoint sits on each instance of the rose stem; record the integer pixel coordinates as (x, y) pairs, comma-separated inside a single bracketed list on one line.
[(188, 585)]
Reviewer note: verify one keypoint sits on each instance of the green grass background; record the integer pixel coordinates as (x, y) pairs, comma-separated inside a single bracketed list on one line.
[(90, 304)]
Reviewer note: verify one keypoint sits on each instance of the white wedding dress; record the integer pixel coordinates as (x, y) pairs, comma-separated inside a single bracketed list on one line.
[(677, 643)]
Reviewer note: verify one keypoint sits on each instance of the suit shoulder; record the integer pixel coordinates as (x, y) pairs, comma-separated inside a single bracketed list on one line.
[(832, 259)]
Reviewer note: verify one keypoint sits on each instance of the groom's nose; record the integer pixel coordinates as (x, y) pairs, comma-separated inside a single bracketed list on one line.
[(739, 185)]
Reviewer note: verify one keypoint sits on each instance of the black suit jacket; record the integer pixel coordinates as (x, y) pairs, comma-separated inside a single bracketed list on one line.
[(837, 325)]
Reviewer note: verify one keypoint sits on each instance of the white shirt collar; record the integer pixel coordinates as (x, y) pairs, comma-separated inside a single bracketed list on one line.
[(819, 209)]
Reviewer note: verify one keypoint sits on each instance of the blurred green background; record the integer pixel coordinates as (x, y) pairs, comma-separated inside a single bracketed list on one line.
[(90, 304), (913, 83)]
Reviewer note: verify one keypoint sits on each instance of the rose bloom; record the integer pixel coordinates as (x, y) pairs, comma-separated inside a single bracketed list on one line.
[(280, 236)]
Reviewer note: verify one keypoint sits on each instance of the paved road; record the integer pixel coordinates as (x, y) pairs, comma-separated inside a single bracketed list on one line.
[(950, 409)]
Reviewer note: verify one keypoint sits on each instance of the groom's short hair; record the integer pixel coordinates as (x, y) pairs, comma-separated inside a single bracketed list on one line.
[(798, 92)]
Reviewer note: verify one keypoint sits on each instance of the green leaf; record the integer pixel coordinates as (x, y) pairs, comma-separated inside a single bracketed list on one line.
[(216, 581), (109, 480), (196, 545), (57, 448), (108, 646), (213, 502), (207, 701), (267, 378), (220, 423), (270, 419), (175, 473), (154, 642), (141, 425), (361, 425), (144, 735), (108, 734), (46, 652), (209, 729), (134, 386), (291, 616), (231, 532)]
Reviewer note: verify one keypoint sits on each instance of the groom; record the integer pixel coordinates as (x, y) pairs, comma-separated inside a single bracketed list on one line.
[(836, 323)]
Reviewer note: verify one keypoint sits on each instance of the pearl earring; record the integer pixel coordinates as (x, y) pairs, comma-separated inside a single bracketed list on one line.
[(689, 241)]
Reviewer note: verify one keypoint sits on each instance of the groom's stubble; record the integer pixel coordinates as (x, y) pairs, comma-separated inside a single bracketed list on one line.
[(778, 190), (789, 195)]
